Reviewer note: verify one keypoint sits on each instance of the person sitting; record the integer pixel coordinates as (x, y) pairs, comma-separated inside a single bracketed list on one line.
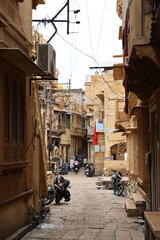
[(65, 166)]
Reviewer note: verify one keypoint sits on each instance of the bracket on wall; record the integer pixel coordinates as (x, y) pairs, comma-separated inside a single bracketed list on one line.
[(53, 20)]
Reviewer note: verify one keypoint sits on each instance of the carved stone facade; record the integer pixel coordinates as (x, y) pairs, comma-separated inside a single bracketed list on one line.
[(119, 8), (141, 34), (101, 106)]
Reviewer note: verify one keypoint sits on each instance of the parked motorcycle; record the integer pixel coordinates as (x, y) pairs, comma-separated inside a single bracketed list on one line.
[(117, 185), (57, 191), (76, 169), (76, 166), (89, 170)]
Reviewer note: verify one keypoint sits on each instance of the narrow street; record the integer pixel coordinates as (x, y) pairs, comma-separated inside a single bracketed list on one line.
[(92, 214)]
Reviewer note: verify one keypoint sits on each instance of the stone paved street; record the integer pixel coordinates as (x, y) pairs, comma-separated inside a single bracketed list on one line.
[(91, 214)]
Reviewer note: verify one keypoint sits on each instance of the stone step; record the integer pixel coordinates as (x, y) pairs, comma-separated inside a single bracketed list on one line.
[(131, 209), (152, 225), (99, 182), (140, 203), (138, 199)]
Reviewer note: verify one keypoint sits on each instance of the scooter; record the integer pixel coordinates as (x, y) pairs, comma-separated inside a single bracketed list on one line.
[(117, 185), (76, 169), (57, 191), (89, 170)]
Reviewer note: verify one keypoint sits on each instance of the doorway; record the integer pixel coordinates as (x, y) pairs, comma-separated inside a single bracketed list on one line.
[(154, 161)]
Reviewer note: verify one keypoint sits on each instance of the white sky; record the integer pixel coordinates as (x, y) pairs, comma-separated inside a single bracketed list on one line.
[(96, 36)]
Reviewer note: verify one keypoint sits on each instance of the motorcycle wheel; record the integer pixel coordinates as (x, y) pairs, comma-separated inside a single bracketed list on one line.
[(58, 199), (76, 171), (67, 196), (118, 190), (87, 174), (110, 187), (46, 200)]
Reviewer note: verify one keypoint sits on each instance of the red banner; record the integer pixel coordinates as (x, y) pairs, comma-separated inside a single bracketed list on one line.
[(95, 136)]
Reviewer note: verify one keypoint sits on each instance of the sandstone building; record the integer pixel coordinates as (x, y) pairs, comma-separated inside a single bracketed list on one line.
[(22, 158), (102, 105)]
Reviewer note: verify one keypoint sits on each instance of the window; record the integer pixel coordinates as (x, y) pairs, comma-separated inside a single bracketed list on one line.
[(84, 126), (59, 119), (13, 130), (68, 121), (63, 119)]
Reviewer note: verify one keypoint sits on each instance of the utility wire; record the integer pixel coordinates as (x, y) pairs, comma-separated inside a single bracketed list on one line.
[(80, 52), (95, 62), (101, 28), (29, 26), (89, 29)]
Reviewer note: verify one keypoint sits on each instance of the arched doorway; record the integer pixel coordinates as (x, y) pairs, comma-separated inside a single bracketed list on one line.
[(118, 151)]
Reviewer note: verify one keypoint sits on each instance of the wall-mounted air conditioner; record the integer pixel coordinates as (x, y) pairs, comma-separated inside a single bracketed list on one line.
[(46, 58)]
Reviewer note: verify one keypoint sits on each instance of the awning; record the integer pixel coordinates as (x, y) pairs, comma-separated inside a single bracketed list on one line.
[(18, 59), (118, 72)]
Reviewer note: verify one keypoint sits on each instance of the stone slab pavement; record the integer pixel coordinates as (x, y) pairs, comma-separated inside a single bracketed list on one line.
[(92, 214)]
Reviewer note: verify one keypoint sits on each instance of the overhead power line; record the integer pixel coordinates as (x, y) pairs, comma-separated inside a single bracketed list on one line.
[(95, 62)]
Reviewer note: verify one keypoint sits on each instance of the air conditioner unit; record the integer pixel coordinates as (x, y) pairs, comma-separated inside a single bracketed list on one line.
[(46, 58)]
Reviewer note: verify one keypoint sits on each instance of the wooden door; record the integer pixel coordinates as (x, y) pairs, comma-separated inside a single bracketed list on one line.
[(154, 161)]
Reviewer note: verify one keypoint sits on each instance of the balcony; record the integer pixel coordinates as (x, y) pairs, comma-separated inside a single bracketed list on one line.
[(143, 70), (142, 48), (60, 129), (75, 131)]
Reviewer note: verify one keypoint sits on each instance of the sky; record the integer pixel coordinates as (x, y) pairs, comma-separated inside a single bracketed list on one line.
[(91, 43)]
